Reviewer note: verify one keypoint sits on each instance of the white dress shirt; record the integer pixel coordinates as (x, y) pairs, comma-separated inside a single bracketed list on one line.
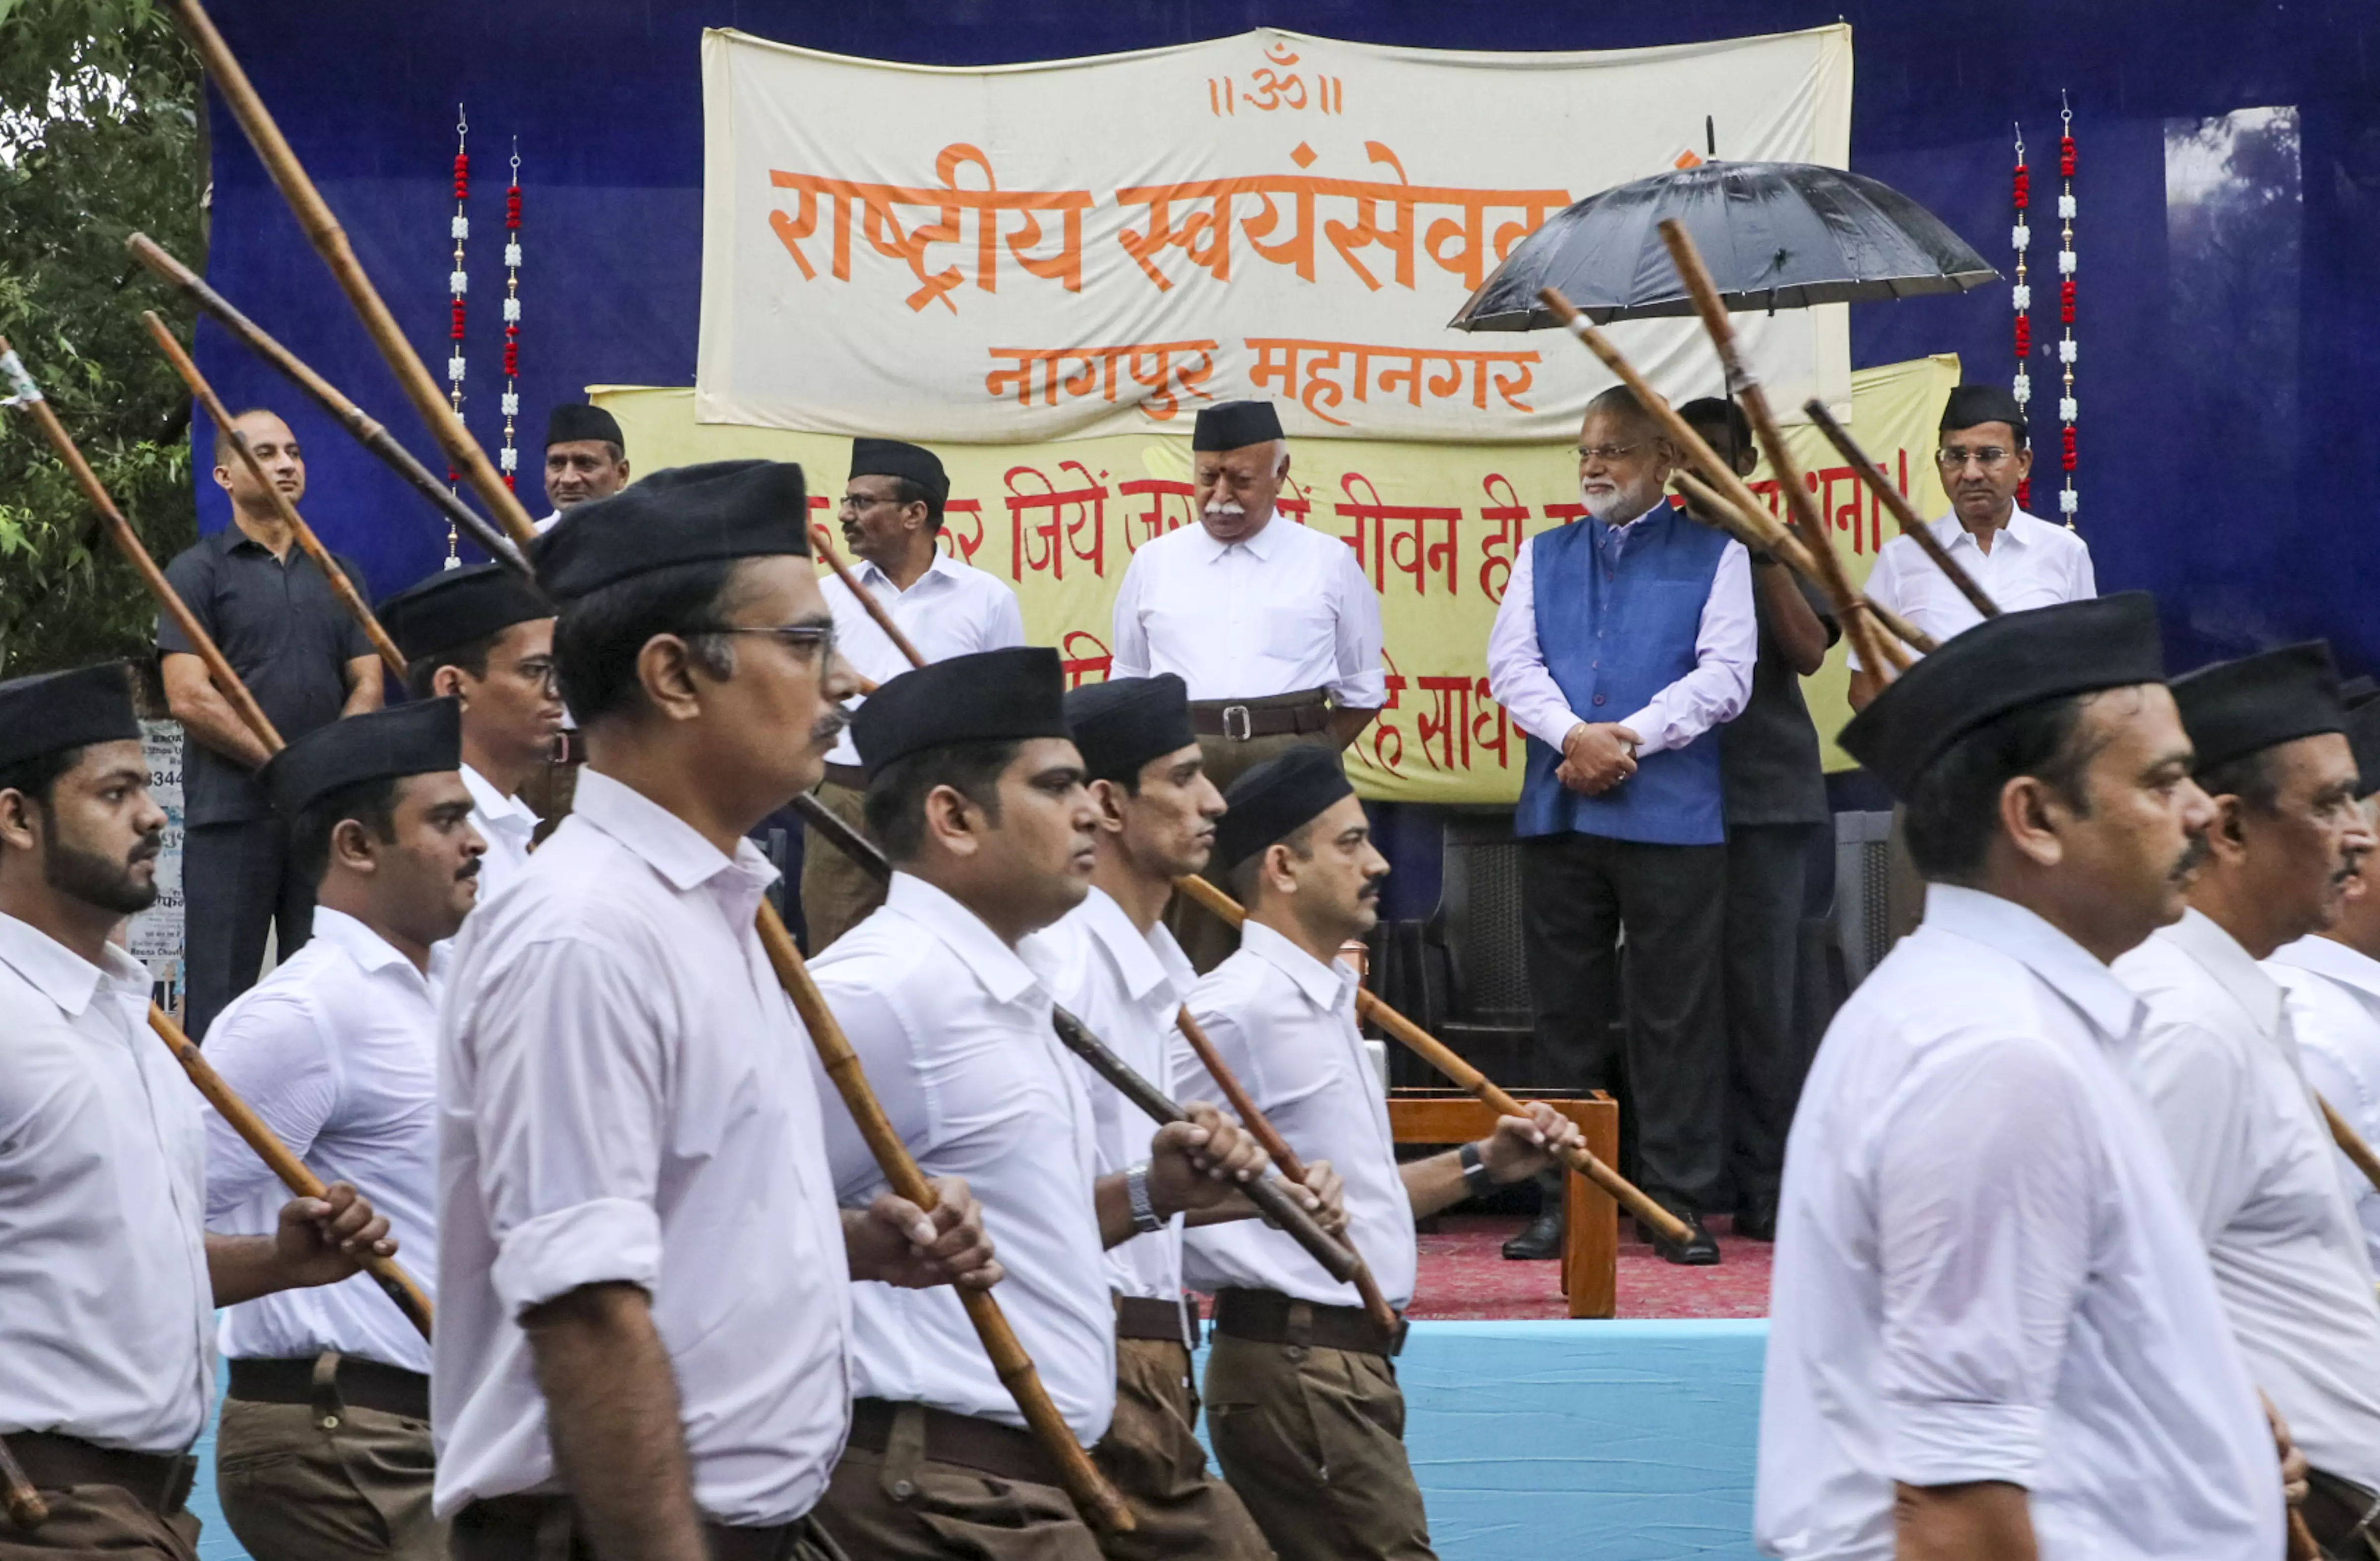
[(1282, 611), (107, 1332), (338, 1050), (954, 1030), (2258, 1168), (952, 609), (506, 824), (1983, 1271), (625, 1096), (1284, 1023), (2335, 1014), (1127, 988), (547, 522), (1727, 642), (2033, 563)]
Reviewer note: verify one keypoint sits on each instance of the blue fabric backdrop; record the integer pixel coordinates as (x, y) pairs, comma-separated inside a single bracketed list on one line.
[(2227, 460)]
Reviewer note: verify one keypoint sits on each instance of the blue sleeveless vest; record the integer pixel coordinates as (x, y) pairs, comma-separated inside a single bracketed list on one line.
[(1612, 639)]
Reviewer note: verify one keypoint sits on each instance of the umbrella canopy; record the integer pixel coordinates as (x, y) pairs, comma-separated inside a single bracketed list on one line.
[(1774, 235)]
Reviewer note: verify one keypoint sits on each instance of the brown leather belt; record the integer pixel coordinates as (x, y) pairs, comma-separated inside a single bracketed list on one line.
[(1270, 1317), (363, 1385), (160, 1482), (987, 1447), (1239, 719), (1140, 1316), (519, 1528)]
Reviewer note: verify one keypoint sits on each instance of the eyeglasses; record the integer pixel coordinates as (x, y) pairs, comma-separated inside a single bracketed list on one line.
[(540, 671), (863, 500), (1606, 453), (810, 642), (1989, 456)]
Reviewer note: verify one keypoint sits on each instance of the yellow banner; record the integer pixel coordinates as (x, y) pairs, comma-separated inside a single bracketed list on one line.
[(1434, 527)]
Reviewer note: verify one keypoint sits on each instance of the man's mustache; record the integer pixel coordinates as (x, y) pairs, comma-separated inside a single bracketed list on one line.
[(2194, 857), (467, 870), (830, 726)]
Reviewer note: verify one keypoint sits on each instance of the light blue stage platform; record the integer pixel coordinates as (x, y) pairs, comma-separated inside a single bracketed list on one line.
[(1622, 1441)]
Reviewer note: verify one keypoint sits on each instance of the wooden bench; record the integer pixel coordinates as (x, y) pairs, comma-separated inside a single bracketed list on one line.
[(1590, 1259)]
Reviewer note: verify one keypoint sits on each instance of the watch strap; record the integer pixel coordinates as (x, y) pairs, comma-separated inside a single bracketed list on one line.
[(1143, 1208), (1474, 1170)]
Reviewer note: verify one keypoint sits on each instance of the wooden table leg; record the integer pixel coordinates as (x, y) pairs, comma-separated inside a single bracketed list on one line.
[(1591, 1223)]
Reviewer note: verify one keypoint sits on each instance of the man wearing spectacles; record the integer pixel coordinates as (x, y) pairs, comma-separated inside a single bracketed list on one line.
[(2020, 560), (892, 521), (481, 637), (1622, 642)]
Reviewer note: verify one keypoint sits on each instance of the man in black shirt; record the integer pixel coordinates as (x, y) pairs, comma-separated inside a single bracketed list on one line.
[(1777, 824), (272, 611)]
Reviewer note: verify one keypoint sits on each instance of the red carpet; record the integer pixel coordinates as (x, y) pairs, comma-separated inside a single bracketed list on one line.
[(1463, 1276)]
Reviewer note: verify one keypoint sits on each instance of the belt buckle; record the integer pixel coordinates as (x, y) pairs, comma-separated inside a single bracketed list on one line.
[(1247, 723)]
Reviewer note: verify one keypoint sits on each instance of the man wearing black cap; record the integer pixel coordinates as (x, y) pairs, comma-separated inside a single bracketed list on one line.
[(892, 521), (263, 600), (643, 1328), (1271, 624), (976, 790), (324, 1445), (1992, 1328), (2019, 561), (1302, 1401), (586, 458), (484, 638), (111, 1277), (2219, 1061), (2333, 980), (1113, 964)]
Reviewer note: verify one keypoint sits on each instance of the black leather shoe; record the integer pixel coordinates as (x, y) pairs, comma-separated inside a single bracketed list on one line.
[(1756, 1221), (1543, 1239), (1700, 1249)]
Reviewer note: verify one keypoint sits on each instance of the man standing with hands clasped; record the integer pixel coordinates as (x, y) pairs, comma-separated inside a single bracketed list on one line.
[(2220, 1063), (1621, 643)]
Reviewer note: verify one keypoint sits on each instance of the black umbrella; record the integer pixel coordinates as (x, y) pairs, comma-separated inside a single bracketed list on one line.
[(1775, 236)]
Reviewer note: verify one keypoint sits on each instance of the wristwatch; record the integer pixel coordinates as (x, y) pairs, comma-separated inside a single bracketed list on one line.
[(1144, 1209), (1764, 560), (1475, 1171)]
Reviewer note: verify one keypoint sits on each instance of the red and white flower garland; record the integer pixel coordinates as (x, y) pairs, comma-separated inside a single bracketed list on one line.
[(509, 457), (2020, 297), (2066, 500), (458, 282)]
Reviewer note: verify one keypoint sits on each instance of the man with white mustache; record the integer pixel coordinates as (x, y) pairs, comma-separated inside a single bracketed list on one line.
[(1622, 644), (1271, 625)]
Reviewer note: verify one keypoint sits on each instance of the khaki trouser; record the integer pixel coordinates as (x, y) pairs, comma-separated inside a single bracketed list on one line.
[(901, 1505), (1313, 1440), (837, 893), (102, 1523), (1204, 938), (318, 1481), (1151, 1454)]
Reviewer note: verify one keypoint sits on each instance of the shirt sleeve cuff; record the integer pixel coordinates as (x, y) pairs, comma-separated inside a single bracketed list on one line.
[(608, 1240), (1366, 691), (1944, 1443), (1647, 726)]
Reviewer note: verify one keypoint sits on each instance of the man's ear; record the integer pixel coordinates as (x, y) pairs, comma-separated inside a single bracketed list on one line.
[(665, 669), (952, 821), (2226, 836), (446, 682), (2031, 815), (20, 829), (1275, 869), (351, 846), (1108, 798)]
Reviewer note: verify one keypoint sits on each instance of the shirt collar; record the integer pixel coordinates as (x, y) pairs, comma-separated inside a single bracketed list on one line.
[(2327, 956), (2063, 965), (1627, 526), (2023, 529), (1003, 974), (1145, 962), (667, 843), (367, 949), (494, 805), (1264, 544), (61, 975), (871, 576), (2219, 954), (1327, 986)]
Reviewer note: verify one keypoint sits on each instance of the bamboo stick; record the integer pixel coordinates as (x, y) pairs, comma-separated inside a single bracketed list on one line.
[(292, 1171), (341, 586), (1469, 1080), (1252, 1116), (366, 432), (1912, 526), (1757, 528), (26, 1507), (2349, 1142)]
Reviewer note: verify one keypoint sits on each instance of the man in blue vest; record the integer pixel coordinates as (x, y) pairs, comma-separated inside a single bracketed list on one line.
[(1622, 642)]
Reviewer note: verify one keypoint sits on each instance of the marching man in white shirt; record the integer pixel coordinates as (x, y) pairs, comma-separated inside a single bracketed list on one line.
[(2219, 1063), (1302, 1398), (1271, 624), (111, 1276), (2020, 560), (2333, 980), (1112, 963), (976, 790), (644, 1330), (1993, 1330), (1624, 641), (324, 1447), (892, 523), (483, 638)]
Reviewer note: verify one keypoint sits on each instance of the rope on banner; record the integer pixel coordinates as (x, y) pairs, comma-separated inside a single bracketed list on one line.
[(508, 458), (2067, 499), (458, 282), (2020, 296)]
